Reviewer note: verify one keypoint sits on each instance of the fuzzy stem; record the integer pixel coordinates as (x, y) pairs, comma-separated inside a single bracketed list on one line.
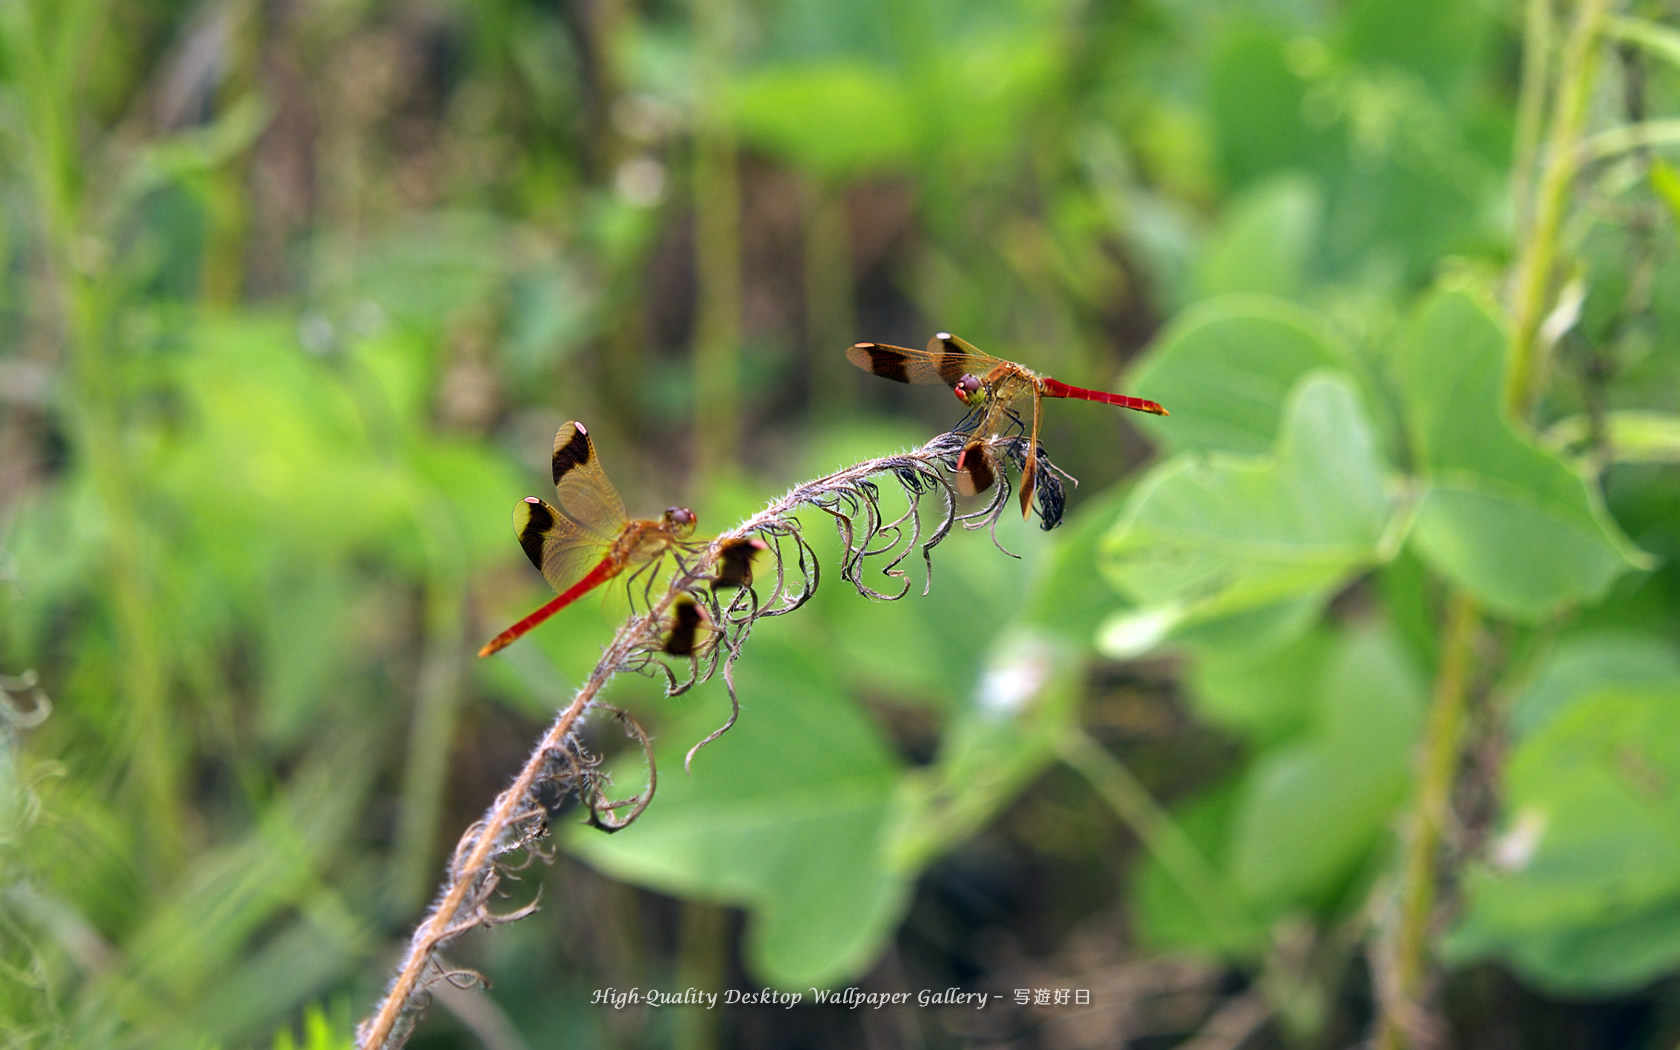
[(1532, 279), (1438, 764), (476, 854)]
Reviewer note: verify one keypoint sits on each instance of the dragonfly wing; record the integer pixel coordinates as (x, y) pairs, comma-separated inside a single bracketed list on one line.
[(587, 498), (561, 550), (942, 362), (975, 470)]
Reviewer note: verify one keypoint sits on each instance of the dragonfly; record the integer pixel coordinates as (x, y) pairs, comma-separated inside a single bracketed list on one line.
[(990, 386), (587, 539)]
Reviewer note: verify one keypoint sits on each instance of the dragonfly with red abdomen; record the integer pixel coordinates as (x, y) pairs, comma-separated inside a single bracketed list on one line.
[(990, 386), (587, 539)]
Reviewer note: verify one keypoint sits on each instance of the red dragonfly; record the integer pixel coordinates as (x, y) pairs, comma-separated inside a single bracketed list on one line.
[(991, 385), (587, 539)]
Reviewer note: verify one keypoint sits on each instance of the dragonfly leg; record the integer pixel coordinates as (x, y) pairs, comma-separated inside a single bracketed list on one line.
[(1029, 469), (645, 574)]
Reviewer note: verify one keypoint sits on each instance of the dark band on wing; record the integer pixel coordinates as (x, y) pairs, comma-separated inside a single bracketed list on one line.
[(685, 628), (571, 450), (735, 562), (539, 519), (954, 364), (974, 470), (884, 361)]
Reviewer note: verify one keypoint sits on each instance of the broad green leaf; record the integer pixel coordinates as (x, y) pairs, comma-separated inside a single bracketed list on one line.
[(1441, 41), (1590, 855), (839, 118), (783, 815), (1500, 517), (1266, 240), (1223, 533), (1265, 696), (1225, 367), (1250, 631), (1310, 813), (1597, 959), (1067, 598), (1255, 102), (1585, 663)]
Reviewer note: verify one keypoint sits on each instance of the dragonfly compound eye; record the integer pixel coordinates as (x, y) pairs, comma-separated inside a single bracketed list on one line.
[(969, 389), (681, 518)]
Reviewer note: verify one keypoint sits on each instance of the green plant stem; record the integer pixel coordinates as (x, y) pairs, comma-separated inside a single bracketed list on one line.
[(1158, 832), (1627, 139), (830, 320), (701, 964), (431, 736), (48, 56), (1531, 104), (1532, 280), (1437, 769), (717, 245)]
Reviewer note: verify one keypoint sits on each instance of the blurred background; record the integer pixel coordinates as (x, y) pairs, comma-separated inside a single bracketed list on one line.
[(296, 292)]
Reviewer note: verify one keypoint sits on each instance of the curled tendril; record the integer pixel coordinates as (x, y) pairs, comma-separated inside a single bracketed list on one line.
[(732, 592), (40, 705)]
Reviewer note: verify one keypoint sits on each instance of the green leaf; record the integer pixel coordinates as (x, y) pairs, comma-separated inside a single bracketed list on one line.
[(1266, 240), (1585, 663), (1255, 102), (1225, 368), (1440, 41), (783, 815), (1500, 517), (1583, 887), (1264, 696), (1311, 812), (838, 118), (1206, 536), (1067, 598), (1603, 958)]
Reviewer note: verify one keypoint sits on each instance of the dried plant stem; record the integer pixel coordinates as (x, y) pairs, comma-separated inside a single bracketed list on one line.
[(445, 921), (1401, 976), (518, 817)]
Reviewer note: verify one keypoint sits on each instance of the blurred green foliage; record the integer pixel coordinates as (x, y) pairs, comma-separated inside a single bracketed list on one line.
[(295, 295)]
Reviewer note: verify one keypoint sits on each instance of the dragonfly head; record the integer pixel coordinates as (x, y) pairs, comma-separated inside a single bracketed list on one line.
[(970, 390), (680, 521)]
